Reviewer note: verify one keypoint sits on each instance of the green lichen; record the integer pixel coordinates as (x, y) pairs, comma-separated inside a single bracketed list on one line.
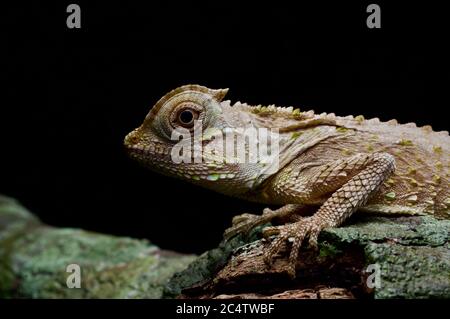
[(413, 254), (424, 234), (411, 271), (328, 250), (34, 259), (414, 230), (42, 257), (111, 267)]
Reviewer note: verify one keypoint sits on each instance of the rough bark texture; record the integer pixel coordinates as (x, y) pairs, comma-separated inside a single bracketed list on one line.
[(413, 254), (34, 257)]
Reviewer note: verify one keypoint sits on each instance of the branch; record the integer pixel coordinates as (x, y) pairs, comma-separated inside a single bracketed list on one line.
[(34, 259), (412, 255)]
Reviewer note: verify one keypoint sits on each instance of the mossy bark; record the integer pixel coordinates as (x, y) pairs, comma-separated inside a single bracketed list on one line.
[(412, 255), (34, 259)]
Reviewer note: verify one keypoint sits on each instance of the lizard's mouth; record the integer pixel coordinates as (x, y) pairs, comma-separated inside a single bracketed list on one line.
[(135, 152), (143, 150)]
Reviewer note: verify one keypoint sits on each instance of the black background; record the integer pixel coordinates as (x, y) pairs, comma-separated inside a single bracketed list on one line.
[(71, 95)]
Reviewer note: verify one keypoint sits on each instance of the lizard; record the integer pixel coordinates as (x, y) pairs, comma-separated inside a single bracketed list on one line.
[(334, 165)]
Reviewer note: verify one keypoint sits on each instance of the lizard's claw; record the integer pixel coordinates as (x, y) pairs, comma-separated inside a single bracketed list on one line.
[(243, 224), (295, 233)]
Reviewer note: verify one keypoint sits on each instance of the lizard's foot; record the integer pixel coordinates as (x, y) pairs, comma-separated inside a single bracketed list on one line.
[(295, 233), (243, 224)]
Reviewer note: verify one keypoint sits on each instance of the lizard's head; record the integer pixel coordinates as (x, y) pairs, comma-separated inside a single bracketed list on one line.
[(191, 134), (188, 119)]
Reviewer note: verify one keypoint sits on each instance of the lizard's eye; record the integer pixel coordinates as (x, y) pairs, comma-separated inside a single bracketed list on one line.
[(186, 118)]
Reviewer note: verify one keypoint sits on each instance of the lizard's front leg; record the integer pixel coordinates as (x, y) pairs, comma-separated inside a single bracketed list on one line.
[(350, 181)]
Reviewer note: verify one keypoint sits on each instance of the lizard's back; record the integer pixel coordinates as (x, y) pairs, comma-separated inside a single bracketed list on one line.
[(420, 183)]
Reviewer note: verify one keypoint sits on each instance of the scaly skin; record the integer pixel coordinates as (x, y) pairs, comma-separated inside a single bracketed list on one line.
[(333, 164)]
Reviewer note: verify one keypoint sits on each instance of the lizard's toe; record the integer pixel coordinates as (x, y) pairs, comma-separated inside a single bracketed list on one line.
[(295, 233), (244, 223), (242, 218), (270, 231), (267, 211), (313, 237), (240, 224), (274, 247)]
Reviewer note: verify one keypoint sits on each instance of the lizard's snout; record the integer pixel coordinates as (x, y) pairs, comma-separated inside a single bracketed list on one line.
[(131, 139)]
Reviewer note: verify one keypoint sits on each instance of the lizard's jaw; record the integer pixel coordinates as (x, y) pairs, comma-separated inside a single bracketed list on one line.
[(157, 161), (155, 154)]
